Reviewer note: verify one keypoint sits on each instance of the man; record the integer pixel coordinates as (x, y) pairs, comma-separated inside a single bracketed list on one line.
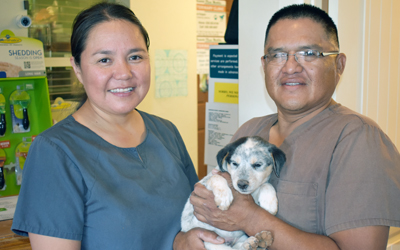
[(340, 186)]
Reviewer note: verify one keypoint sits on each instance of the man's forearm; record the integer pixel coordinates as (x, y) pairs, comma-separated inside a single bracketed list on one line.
[(285, 235)]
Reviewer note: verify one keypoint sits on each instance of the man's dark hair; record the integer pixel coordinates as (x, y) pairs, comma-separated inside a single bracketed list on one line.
[(297, 11)]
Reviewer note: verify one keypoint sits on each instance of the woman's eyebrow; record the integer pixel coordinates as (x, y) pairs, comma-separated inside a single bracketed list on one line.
[(109, 52)]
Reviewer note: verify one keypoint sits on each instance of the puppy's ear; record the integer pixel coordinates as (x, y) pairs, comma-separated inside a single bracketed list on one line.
[(221, 158), (224, 155), (279, 159)]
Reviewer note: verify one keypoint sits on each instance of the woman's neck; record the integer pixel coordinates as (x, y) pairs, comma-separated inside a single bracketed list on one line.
[(124, 131)]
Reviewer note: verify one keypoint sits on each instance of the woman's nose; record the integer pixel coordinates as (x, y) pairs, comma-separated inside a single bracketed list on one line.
[(122, 70)]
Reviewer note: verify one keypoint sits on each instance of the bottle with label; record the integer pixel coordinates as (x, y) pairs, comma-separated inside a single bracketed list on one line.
[(2, 161), (2, 113), (19, 101), (21, 152)]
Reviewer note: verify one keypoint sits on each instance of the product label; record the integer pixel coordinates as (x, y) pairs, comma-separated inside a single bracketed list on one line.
[(20, 56)]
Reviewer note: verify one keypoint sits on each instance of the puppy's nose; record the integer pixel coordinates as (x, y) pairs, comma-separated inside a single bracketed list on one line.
[(243, 184)]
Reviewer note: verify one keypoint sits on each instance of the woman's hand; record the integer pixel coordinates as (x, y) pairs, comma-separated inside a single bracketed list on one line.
[(194, 239), (239, 214)]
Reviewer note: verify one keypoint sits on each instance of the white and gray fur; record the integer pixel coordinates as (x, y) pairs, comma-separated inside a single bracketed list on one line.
[(250, 161)]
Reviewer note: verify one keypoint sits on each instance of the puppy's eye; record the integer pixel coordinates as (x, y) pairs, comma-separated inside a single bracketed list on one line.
[(234, 164), (256, 165)]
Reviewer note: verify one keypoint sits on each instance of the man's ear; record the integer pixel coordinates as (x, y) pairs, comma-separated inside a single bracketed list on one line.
[(263, 63), (77, 69), (340, 63)]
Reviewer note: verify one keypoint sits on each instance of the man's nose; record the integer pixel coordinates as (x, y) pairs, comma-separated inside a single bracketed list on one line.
[(291, 65)]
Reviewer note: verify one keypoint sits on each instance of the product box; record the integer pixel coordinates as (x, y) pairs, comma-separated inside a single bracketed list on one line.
[(20, 56)]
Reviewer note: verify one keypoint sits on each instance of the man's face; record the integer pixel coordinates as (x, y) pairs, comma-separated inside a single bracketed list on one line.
[(301, 88)]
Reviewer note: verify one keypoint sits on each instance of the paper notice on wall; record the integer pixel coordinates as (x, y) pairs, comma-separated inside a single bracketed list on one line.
[(203, 53), (221, 124), (211, 17), (224, 61), (171, 72), (226, 92)]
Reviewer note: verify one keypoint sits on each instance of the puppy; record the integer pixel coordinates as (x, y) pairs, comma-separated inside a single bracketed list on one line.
[(249, 161)]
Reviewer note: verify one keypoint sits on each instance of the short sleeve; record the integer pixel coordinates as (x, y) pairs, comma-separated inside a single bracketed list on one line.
[(189, 167), (364, 181), (52, 195)]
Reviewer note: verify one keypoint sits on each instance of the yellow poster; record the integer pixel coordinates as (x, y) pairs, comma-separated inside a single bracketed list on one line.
[(226, 92)]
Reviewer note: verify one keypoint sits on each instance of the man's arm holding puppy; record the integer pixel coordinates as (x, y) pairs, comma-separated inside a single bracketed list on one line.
[(244, 214)]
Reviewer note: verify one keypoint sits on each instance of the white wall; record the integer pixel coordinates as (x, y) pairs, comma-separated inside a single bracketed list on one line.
[(8, 18), (172, 25), (253, 20)]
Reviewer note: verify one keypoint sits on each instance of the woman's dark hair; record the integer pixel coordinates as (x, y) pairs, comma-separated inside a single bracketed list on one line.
[(87, 19), (98, 13), (297, 11)]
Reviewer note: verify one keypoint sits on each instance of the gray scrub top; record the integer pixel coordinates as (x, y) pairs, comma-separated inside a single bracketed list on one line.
[(341, 172), (78, 186)]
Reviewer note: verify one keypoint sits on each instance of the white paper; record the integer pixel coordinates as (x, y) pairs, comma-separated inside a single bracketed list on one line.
[(211, 18), (203, 52), (221, 124)]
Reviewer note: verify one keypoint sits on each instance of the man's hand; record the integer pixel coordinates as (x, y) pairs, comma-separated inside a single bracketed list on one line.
[(194, 239), (233, 219)]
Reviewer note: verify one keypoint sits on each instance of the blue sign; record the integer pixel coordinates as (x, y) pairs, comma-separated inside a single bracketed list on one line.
[(224, 63)]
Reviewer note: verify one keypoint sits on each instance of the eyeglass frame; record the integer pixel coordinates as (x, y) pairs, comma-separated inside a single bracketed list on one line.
[(321, 54)]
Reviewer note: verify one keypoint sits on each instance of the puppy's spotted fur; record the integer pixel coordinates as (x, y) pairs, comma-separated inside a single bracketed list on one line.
[(250, 161)]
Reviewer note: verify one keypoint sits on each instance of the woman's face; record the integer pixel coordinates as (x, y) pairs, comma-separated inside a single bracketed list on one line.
[(115, 67)]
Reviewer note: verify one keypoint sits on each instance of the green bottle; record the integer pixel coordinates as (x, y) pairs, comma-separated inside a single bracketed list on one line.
[(20, 100), (2, 161), (2, 113)]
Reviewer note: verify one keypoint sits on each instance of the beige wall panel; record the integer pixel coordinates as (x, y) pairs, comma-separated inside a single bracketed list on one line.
[(384, 64), (371, 70), (381, 81), (172, 25), (393, 89), (350, 28)]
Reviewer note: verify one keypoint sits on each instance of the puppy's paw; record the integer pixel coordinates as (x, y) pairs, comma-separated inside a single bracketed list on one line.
[(267, 198), (250, 244), (223, 198), (265, 239), (270, 204), (222, 193)]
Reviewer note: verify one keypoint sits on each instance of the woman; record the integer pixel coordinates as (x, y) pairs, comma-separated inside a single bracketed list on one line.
[(109, 176)]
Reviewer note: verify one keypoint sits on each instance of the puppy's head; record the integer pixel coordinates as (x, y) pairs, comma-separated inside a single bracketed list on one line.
[(250, 161)]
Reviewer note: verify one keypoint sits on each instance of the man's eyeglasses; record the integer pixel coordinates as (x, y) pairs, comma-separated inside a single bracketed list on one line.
[(301, 57)]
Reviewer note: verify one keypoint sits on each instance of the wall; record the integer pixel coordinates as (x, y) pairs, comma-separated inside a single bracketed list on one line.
[(172, 25), (253, 97), (370, 85)]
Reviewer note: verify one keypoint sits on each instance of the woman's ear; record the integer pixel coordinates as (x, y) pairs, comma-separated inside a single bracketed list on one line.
[(77, 69)]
